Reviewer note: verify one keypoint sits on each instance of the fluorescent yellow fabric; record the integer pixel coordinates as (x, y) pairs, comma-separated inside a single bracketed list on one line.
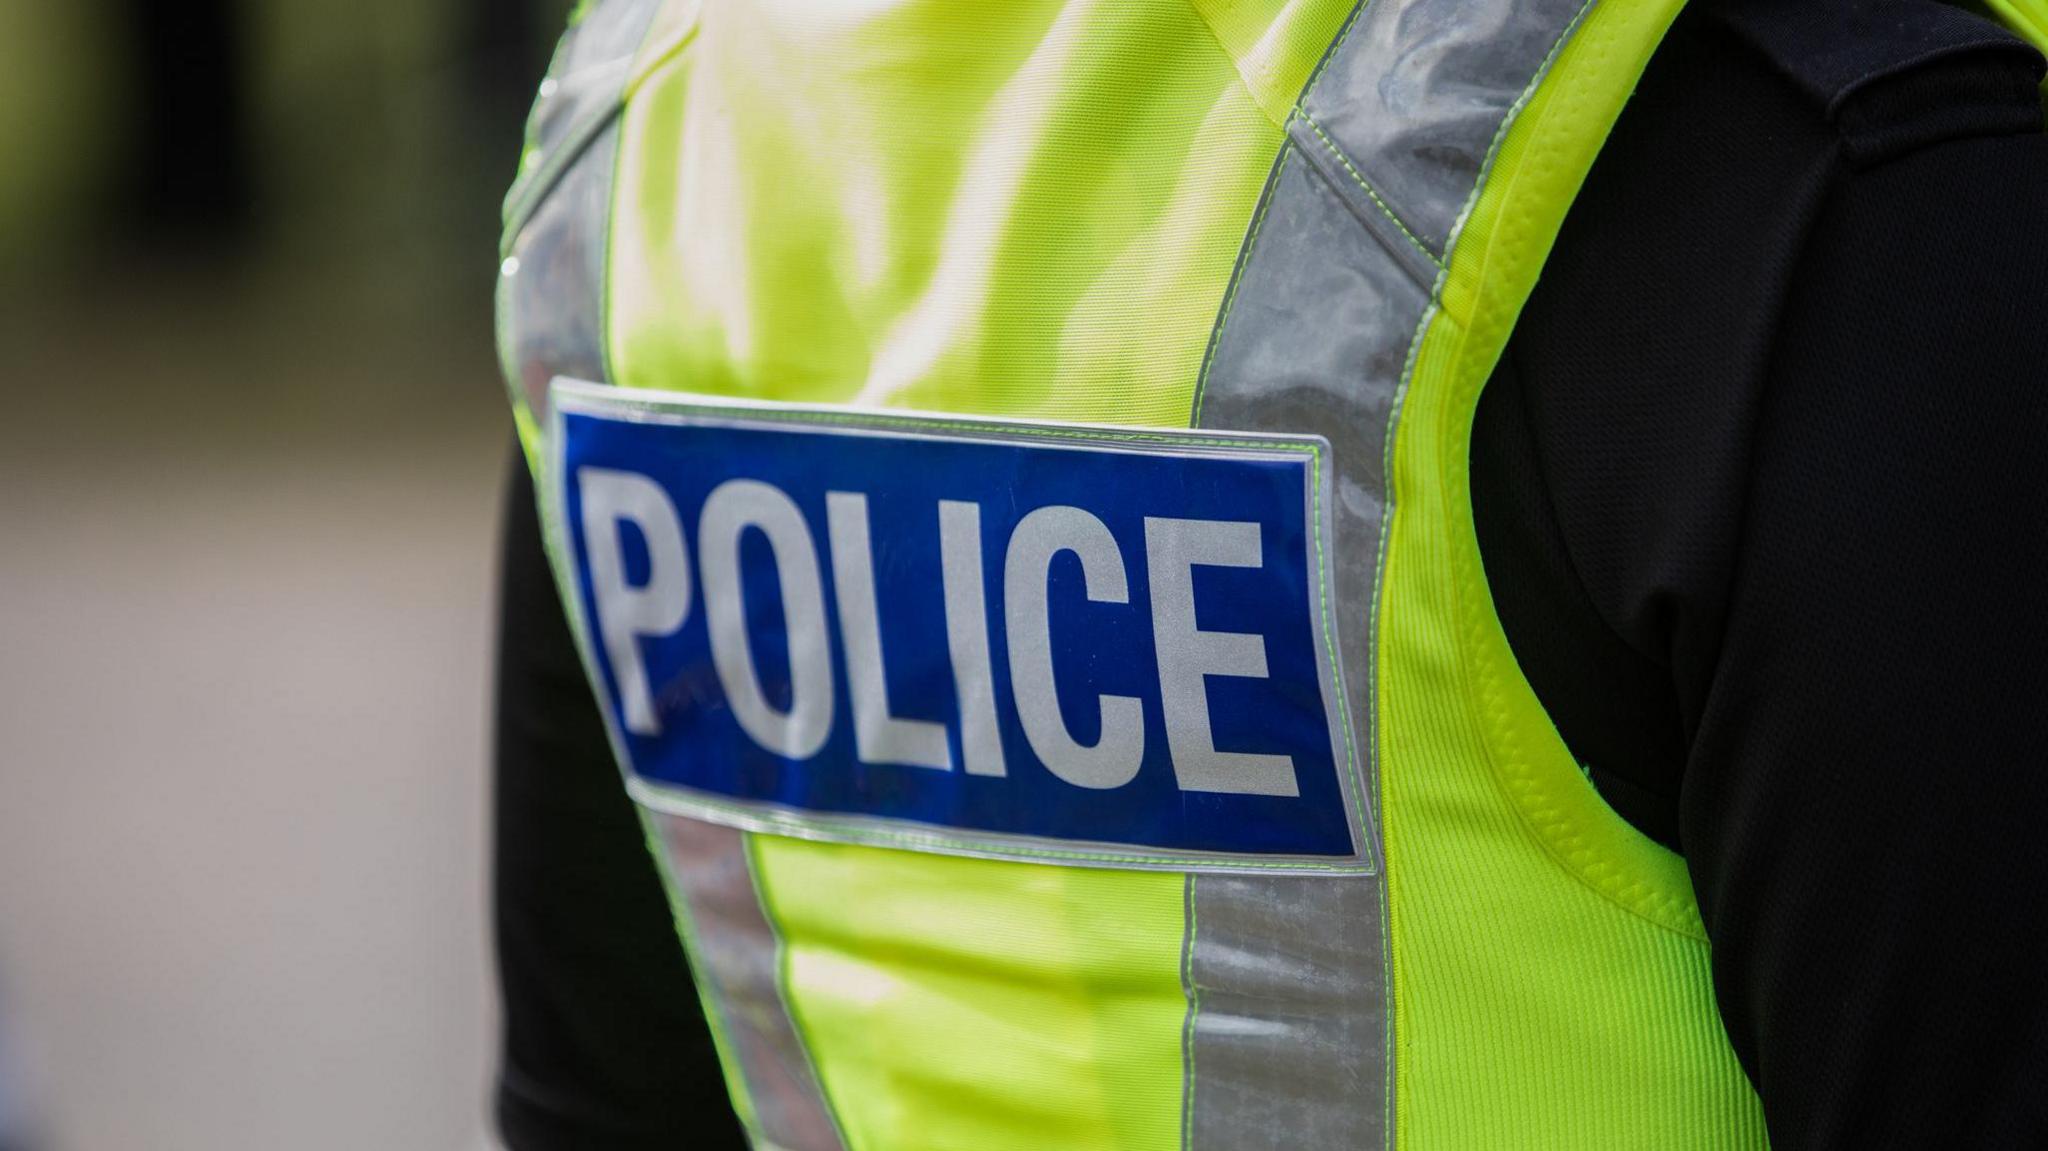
[(966, 1003), (960, 207), (1033, 209), (1017, 209), (2029, 18), (1551, 980)]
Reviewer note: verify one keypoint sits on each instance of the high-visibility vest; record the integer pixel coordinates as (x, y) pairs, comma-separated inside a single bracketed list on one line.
[(1181, 242)]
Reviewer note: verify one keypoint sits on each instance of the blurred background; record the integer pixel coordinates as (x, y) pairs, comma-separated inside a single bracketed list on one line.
[(249, 471)]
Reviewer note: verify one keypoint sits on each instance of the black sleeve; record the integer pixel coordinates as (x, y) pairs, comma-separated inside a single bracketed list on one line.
[(604, 1042), (1762, 487), (1866, 799)]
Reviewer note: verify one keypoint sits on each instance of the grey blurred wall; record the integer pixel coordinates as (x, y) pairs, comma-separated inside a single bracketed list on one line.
[(249, 476)]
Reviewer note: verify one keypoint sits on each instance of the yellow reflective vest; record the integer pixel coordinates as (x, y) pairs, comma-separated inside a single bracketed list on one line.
[(1229, 221)]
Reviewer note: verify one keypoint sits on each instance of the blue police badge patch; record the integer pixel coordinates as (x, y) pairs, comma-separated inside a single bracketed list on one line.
[(1055, 642)]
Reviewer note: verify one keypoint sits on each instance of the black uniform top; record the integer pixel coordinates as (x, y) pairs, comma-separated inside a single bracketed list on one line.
[(1760, 488)]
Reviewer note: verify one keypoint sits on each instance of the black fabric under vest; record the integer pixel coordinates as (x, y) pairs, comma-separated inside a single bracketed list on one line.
[(1760, 488)]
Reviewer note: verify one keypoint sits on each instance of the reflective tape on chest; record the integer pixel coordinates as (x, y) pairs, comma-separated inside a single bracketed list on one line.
[(1058, 642)]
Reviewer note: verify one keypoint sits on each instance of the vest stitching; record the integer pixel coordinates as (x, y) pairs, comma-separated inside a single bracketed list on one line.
[(1367, 187), (750, 855), (554, 166), (1189, 934), (1330, 54), (1587, 865), (1237, 280), (696, 805), (1507, 121), (1266, 195), (1018, 429), (581, 133)]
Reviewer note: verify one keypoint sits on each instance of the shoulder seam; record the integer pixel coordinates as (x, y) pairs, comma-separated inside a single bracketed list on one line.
[(1858, 43)]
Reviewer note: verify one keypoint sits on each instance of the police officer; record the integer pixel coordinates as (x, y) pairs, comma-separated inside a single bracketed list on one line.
[(1127, 616)]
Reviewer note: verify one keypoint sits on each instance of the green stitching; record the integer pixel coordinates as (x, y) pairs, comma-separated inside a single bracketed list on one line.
[(1266, 197), (574, 143), (1581, 863), (1507, 120), (1415, 339), (604, 260), (1187, 1037), (1360, 800), (1330, 644), (796, 1023), (1251, 242), (863, 419), (1379, 581), (1360, 180), (649, 795), (1336, 46)]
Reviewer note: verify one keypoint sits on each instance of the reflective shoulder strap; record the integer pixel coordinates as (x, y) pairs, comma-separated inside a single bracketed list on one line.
[(550, 296)]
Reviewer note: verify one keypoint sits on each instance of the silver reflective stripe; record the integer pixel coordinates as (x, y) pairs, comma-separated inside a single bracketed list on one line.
[(1317, 341), (579, 96), (738, 956), (551, 274), (1287, 1039), (588, 72), (551, 283), (1289, 1034), (1416, 95)]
